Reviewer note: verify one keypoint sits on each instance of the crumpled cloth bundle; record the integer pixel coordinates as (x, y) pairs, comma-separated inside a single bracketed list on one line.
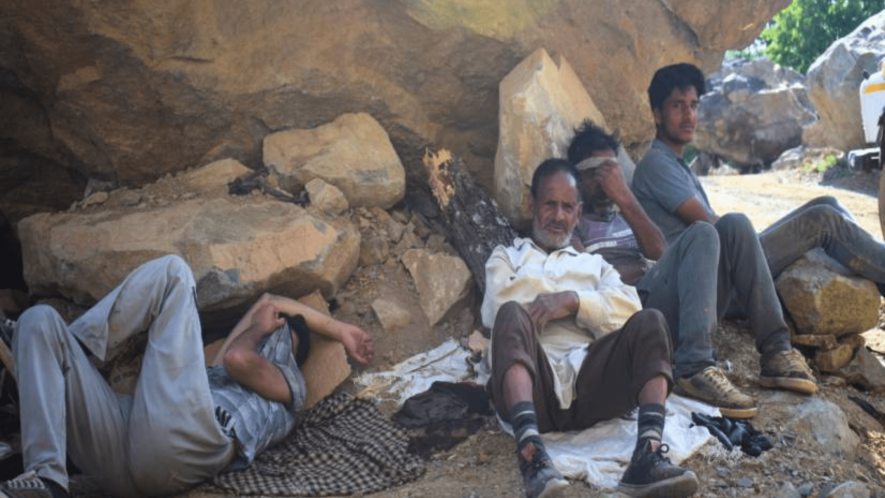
[(344, 446), (443, 416), (733, 432)]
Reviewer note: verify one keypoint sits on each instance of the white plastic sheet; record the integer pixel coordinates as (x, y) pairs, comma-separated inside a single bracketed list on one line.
[(598, 455)]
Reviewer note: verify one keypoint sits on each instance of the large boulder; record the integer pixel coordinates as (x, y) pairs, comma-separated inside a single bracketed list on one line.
[(236, 247), (352, 153), (834, 84), (819, 425), (752, 112), (824, 297), (127, 91), (542, 101)]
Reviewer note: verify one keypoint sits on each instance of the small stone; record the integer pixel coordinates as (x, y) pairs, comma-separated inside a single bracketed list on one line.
[(391, 315), (436, 243), (130, 198), (419, 227), (373, 251), (379, 214), (834, 359), (401, 216), (865, 371), (717, 483), (787, 490), (805, 488), (96, 198), (744, 482), (408, 241), (395, 230), (326, 197), (849, 489)]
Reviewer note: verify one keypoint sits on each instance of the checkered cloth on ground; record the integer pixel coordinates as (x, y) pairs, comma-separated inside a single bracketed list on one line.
[(345, 446)]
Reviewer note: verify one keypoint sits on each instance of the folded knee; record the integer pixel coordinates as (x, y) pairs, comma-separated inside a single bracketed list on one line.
[(736, 223), (37, 325), (703, 233)]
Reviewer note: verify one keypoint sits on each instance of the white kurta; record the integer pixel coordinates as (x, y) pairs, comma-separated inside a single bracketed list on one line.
[(523, 271)]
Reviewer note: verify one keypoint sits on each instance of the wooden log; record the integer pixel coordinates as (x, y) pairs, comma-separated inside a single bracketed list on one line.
[(473, 223)]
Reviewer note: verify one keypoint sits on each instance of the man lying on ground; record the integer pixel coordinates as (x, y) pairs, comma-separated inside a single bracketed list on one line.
[(674, 198), (686, 281), (571, 347), (181, 426)]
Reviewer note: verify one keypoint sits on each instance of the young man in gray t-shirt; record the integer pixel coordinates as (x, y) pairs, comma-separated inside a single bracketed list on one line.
[(686, 280)]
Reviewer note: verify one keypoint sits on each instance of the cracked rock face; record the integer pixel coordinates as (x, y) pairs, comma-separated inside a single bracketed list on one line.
[(129, 91)]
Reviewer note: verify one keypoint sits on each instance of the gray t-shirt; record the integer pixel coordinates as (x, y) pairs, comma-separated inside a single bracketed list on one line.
[(661, 184), (255, 422)]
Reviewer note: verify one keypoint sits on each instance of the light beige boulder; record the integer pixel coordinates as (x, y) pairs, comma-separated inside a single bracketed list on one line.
[(824, 297), (834, 85), (236, 247), (443, 281), (820, 425), (352, 153), (541, 101)]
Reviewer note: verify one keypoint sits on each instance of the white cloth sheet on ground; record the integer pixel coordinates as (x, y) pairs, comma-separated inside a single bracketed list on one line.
[(598, 455)]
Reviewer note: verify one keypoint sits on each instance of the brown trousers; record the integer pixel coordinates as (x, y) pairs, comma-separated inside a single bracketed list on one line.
[(616, 368)]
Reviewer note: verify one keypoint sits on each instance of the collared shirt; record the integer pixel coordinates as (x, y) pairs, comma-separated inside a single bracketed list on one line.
[(662, 183), (255, 422), (523, 271), (615, 241)]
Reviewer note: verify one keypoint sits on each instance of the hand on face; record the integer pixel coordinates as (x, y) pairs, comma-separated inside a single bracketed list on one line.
[(610, 176)]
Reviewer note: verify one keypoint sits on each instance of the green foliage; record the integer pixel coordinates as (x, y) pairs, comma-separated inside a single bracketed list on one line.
[(827, 162), (800, 33)]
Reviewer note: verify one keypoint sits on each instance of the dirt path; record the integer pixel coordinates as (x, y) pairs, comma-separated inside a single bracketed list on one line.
[(767, 197)]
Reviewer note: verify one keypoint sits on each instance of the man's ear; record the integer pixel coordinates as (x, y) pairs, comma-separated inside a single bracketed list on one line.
[(531, 205), (657, 114)]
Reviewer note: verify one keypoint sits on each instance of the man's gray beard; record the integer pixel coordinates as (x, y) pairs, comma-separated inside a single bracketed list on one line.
[(553, 244)]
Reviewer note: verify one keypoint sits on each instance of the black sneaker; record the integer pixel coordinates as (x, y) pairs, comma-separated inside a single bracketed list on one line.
[(651, 475), (539, 477), (29, 485)]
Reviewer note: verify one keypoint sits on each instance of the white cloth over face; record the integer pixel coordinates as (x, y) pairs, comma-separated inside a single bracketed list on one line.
[(523, 271)]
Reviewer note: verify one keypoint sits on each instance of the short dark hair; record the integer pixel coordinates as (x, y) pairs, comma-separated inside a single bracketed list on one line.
[(681, 76), (590, 138), (550, 167)]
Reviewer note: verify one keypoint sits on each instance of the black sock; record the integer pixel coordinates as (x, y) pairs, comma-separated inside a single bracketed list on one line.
[(525, 428), (651, 424)]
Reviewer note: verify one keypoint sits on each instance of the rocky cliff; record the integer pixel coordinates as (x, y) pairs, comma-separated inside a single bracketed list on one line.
[(125, 92)]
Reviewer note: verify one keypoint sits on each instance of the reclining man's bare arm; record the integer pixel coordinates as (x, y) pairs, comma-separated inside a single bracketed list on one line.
[(236, 354)]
